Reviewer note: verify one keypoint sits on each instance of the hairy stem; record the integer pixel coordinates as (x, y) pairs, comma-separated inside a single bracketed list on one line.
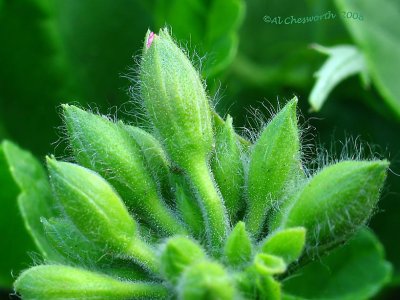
[(211, 202), (144, 255)]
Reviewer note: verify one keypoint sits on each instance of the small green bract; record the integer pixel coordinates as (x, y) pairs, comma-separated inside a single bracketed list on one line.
[(188, 210)]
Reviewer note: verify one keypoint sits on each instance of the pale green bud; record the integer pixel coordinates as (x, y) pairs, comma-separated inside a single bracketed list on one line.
[(109, 149), (273, 160), (238, 247), (177, 104), (206, 281), (58, 282), (97, 210), (177, 255), (335, 202), (227, 167), (287, 243), (175, 100)]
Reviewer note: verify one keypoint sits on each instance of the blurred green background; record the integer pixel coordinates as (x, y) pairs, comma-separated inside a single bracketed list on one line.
[(81, 51)]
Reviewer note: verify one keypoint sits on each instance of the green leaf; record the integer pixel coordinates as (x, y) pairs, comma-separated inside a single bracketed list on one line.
[(14, 236), (287, 243), (211, 26), (98, 52), (378, 37), (343, 62), (35, 200), (355, 271), (34, 74)]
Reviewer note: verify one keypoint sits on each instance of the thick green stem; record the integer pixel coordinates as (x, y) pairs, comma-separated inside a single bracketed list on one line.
[(164, 218), (211, 202)]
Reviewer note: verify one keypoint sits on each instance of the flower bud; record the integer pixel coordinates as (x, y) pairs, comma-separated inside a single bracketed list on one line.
[(178, 254), (267, 264), (335, 202), (179, 109), (156, 159), (97, 211), (238, 247), (55, 282), (273, 159), (175, 100), (109, 149), (227, 167), (206, 281), (287, 243)]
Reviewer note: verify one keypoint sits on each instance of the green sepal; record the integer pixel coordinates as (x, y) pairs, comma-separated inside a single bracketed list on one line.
[(73, 246), (268, 264), (156, 158), (206, 281), (227, 167), (274, 162), (179, 253), (109, 149), (55, 282), (219, 124), (187, 205), (258, 285), (335, 202), (238, 248), (287, 243), (75, 249)]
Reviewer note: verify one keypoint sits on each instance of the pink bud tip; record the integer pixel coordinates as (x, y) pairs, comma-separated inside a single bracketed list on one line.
[(150, 39)]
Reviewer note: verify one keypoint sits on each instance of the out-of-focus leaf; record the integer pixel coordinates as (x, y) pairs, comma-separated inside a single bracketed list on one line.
[(343, 61), (35, 200), (378, 37), (15, 241), (32, 72), (211, 27), (355, 271), (99, 41)]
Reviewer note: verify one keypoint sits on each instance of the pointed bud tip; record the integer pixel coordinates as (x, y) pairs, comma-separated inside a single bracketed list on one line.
[(150, 39)]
